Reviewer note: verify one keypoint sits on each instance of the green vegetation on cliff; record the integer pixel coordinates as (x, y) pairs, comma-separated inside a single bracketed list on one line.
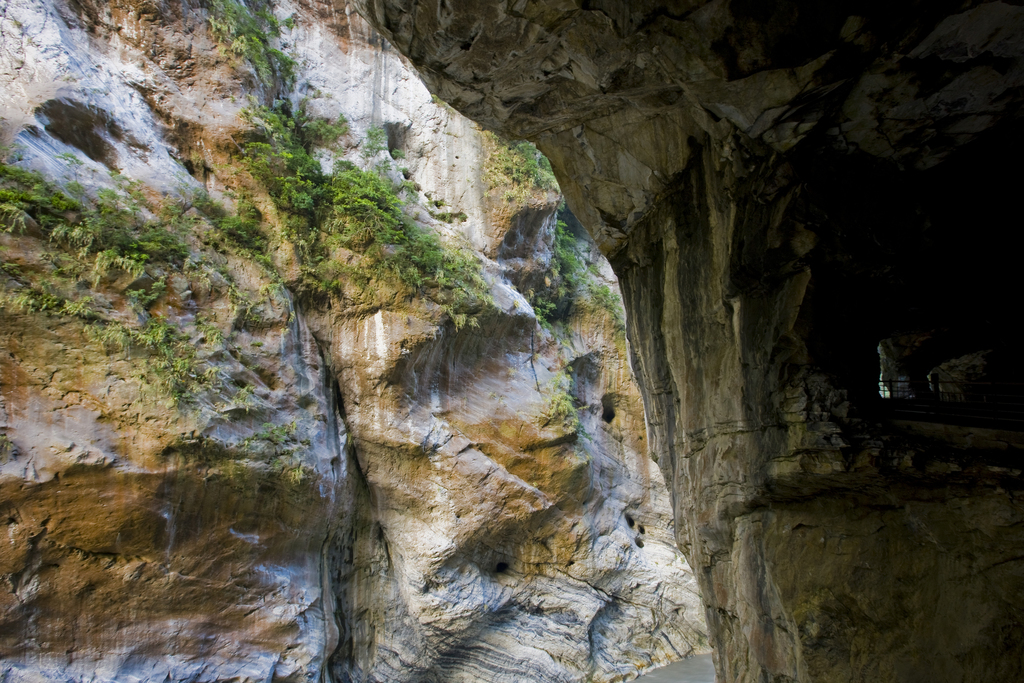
[(94, 240), (517, 169), (573, 284), (354, 211), (246, 33), (111, 231), (560, 406), (366, 216)]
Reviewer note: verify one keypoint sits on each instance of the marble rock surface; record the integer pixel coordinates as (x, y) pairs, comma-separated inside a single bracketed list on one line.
[(361, 493), (781, 188)]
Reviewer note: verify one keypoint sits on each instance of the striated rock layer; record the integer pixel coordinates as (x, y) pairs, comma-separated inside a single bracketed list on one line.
[(355, 488), (782, 188)]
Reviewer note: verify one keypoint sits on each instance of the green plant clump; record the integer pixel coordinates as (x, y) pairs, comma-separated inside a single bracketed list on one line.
[(44, 299), (275, 435), (356, 209), (366, 216), (171, 357), (450, 216), (6, 448), (518, 168), (602, 297), (573, 284), (112, 232), (278, 445), (280, 160), (560, 407), (246, 33), (26, 193)]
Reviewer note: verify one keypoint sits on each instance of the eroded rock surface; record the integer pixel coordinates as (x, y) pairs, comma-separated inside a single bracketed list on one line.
[(780, 188), (349, 486), (127, 518)]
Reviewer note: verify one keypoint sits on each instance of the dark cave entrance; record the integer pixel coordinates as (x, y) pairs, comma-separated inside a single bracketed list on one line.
[(916, 271)]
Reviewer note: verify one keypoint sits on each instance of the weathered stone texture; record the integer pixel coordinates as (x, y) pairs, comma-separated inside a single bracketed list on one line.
[(781, 187), (415, 517), (124, 514)]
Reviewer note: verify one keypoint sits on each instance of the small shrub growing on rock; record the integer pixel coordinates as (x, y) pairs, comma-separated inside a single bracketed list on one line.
[(518, 169), (7, 450), (246, 33), (360, 210), (573, 283), (561, 407), (170, 355), (325, 133), (376, 142)]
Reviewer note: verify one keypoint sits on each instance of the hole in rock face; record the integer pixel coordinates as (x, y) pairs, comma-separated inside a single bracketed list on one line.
[(398, 135), (501, 567), (570, 563), (629, 521), (607, 408), (641, 529), (82, 126), (639, 543)]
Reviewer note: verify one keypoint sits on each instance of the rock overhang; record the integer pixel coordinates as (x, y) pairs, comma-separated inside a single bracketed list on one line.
[(613, 92), (781, 188)]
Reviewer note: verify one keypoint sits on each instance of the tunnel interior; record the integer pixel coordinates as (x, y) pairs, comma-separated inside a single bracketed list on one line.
[(933, 254)]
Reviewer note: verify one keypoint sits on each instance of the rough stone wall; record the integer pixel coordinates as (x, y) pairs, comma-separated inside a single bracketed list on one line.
[(146, 542), (830, 546), (774, 185), (364, 493), (487, 523)]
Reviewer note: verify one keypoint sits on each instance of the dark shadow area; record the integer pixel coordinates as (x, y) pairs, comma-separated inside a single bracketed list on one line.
[(932, 254)]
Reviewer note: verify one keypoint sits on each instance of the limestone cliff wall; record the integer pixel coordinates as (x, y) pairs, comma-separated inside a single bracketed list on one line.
[(780, 188), (327, 487)]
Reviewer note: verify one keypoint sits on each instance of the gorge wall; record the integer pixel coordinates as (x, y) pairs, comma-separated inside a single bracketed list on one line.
[(234, 449), (783, 190)]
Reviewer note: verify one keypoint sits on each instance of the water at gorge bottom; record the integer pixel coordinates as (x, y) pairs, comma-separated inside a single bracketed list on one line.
[(699, 669)]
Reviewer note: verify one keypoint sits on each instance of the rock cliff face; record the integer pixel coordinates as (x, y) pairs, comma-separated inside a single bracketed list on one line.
[(783, 189), (214, 466)]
